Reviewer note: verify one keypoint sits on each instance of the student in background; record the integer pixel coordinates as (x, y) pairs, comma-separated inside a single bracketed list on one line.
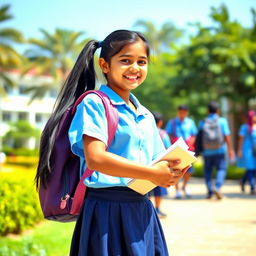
[(247, 151), (182, 126), (216, 143), (159, 192)]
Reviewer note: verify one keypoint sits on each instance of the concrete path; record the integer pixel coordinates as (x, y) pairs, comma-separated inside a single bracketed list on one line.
[(203, 227)]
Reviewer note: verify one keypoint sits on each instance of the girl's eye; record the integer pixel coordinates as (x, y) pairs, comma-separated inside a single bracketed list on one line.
[(125, 61), (142, 62)]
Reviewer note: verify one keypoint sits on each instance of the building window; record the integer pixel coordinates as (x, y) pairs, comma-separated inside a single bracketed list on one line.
[(22, 116), (39, 118), (53, 93), (22, 89), (6, 116)]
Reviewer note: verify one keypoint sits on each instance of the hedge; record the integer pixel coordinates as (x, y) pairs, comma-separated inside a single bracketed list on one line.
[(233, 172), (26, 161), (19, 205)]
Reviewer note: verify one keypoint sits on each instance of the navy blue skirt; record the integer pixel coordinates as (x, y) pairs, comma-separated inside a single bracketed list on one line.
[(118, 222), (158, 191)]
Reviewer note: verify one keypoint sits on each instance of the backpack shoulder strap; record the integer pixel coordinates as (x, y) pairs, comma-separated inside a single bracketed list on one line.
[(112, 119), (111, 112)]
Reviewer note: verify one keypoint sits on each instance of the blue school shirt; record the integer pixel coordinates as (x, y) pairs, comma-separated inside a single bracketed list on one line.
[(225, 130), (165, 138), (184, 129), (248, 160), (137, 137)]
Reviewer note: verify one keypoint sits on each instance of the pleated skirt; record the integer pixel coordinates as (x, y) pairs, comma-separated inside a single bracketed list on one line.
[(118, 222)]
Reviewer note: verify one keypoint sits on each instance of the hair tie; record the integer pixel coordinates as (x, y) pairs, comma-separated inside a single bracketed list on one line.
[(100, 43)]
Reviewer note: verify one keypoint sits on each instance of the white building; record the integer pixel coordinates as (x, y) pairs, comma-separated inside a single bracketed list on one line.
[(16, 104)]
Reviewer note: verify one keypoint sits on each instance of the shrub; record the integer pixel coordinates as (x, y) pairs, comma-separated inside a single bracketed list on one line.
[(26, 161), (233, 172), (19, 205), (9, 151)]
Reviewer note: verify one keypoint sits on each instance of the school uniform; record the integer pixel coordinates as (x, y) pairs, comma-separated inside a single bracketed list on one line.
[(116, 220), (185, 129), (215, 157), (248, 159)]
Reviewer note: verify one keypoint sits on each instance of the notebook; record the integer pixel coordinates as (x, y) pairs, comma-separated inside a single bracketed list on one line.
[(177, 150)]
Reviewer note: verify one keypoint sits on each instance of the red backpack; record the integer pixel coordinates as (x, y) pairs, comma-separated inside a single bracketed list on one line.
[(62, 198)]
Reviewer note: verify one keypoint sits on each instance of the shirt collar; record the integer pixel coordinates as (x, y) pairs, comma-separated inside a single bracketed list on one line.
[(117, 100), (184, 120), (213, 115)]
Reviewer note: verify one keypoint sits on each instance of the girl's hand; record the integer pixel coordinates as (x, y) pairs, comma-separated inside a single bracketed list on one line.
[(165, 174)]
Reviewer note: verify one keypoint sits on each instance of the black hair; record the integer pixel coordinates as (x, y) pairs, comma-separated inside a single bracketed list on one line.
[(81, 78), (115, 41), (158, 116), (213, 107), (183, 107)]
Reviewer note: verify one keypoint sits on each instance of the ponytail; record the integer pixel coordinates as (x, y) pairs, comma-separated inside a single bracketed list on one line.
[(81, 78)]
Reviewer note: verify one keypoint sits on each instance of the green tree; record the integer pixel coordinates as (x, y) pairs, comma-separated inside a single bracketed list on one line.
[(19, 133), (9, 57), (219, 61), (52, 55), (159, 39)]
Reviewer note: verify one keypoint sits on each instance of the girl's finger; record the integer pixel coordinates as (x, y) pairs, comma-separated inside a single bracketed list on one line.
[(174, 162), (176, 172)]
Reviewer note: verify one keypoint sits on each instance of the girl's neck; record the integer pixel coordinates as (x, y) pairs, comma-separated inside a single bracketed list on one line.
[(125, 95)]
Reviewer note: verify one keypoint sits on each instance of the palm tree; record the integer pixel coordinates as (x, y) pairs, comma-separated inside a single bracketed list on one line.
[(9, 58), (159, 39), (53, 55)]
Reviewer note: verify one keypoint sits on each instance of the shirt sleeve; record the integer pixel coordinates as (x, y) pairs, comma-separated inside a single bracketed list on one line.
[(242, 130), (201, 124), (168, 127), (224, 126), (166, 141), (194, 129), (90, 119)]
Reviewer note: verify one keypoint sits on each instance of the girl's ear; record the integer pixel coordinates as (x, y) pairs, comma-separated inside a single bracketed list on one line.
[(103, 65)]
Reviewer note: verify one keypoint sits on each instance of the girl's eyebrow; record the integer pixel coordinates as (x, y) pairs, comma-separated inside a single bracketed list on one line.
[(130, 56)]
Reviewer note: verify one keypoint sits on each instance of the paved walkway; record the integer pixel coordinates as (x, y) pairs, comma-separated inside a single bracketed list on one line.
[(201, 227)]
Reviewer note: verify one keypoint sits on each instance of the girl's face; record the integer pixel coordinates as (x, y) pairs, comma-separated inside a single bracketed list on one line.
[(127, 69)]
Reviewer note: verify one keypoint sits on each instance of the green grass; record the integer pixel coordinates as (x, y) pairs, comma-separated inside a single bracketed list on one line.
[(53, 237)]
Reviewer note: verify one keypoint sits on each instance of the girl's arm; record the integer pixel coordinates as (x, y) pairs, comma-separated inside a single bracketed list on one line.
[(239, 147), (97, 158)]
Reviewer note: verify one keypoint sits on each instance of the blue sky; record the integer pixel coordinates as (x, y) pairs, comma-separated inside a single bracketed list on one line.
[(97, 18)]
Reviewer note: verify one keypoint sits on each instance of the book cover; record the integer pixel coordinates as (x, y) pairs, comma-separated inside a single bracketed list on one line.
[(179, 150)]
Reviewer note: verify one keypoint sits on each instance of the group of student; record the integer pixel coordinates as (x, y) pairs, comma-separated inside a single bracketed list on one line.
[(114, 219), (214, 155)]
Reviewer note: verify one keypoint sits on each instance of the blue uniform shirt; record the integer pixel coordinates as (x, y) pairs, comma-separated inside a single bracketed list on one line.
[(184, 129), (225, 130), (165, 138), (137, 137), (248, 160)]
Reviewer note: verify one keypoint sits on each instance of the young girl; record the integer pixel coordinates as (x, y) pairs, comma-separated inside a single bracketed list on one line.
[(116, 220), (246, 154)]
